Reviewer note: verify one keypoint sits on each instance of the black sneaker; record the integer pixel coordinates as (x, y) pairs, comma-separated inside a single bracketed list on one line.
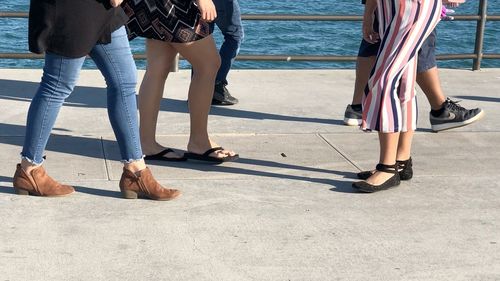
[(352, 117), (222, 95), (454, 116)]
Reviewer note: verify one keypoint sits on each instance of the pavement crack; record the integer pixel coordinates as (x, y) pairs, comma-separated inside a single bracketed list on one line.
[(105, 160), (339, 152)]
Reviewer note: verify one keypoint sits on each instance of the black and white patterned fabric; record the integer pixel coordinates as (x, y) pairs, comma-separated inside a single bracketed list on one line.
[(166, 20)]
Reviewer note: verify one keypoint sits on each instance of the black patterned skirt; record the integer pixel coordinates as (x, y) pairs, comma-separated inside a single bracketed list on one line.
[(174, 21)]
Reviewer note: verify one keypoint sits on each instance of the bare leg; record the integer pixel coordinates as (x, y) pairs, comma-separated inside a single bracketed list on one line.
[(431, 86), (364, 66), (160, 56), (205, 60), (388, 153), (404, 145)]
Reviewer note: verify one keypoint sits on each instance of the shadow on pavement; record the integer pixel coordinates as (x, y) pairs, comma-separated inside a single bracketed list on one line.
[(98, 192), (4, 188), (76, 145), (85, 146), (487, 99), (94, 97), (340, 185)]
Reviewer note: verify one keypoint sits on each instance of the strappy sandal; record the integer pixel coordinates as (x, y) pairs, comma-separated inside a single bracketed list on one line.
[(363, 186), (404, 168)]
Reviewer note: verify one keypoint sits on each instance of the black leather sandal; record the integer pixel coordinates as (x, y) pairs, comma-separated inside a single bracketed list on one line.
[(161, 156), (404, 168), (363, 186)]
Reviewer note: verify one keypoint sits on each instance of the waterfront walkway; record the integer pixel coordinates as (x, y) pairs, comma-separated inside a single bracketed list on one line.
[(284, 211)]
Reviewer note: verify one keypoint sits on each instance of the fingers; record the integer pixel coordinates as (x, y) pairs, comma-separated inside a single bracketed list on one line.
[(115, 3), (207, 10), (209, 15), (369, 39), (371, 36)]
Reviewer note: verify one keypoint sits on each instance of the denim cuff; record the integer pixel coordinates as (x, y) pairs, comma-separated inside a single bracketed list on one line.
[(31, 161), (129, 161)]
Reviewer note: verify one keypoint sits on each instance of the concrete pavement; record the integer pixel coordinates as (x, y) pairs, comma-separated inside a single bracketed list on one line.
[(284, 211)]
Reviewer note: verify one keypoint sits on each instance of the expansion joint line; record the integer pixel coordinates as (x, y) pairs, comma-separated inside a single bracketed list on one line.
[(105, 159), (339, 152)]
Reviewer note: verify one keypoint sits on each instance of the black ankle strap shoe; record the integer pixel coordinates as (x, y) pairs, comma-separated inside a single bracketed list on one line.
[(405, 169), (363, 186)]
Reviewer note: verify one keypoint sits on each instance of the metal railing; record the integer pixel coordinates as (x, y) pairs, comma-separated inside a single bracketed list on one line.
[(481, 18)]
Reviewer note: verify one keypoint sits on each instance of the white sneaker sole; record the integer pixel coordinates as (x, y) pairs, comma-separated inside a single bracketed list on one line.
[(352, 122), (448, 126)]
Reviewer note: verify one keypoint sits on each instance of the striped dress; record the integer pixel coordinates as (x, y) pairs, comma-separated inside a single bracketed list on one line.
[(389, 103)]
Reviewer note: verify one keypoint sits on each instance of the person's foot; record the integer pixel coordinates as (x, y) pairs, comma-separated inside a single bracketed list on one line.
[(143, 184), (405, 170), (201, 148), (37, 182), (452, 115), (385, 177), (158, 152), (353, 115), (222, 95)]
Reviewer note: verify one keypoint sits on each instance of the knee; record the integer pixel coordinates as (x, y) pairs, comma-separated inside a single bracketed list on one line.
[(235, 35), (55, 87), (124, 81), (208, 68), (158, 69)]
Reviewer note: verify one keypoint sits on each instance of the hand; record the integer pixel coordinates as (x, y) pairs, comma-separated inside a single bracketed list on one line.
[(369, 34), (453, 3), (115, 3), (207, 10)]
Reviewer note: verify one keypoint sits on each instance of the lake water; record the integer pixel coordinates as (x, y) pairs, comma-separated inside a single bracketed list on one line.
[(291, 38)]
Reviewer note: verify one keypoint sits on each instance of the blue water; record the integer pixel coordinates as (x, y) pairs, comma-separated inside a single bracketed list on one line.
[(293, 38)]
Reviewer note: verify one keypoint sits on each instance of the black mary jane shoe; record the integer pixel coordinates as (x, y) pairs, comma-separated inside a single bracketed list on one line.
[(405, 171), (363, 186)]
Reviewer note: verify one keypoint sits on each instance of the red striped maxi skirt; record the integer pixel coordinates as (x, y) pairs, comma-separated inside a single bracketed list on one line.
[(389, 103)]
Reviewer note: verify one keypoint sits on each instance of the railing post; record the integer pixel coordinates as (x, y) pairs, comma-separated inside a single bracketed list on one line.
[(481, 25), (175, 64)]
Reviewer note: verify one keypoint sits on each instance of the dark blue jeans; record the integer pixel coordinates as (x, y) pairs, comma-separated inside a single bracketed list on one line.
[(229, 22), (60, 75)]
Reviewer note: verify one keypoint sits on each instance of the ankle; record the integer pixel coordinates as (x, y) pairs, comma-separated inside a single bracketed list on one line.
[(28, 167), (357, 106), (153, 148), (135, 166), (200, 141), (437, 112)]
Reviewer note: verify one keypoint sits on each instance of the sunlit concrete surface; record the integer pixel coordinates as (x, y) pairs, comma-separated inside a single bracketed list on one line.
[(284, 211)]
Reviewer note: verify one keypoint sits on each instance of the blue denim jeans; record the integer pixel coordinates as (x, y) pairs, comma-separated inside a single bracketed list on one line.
[(229, 22), (60, 75)]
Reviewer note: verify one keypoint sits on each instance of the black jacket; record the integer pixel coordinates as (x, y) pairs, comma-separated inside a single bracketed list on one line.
[(71, 28)]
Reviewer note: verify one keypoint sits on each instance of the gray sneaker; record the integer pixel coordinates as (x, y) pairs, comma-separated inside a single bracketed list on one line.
[(454, 116), (352, 117)]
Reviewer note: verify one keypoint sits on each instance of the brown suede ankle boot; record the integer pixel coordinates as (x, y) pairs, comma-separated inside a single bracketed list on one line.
[(41, 185), (143, 184)]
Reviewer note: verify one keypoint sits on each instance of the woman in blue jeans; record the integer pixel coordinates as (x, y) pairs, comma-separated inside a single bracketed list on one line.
[(66, 35)]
